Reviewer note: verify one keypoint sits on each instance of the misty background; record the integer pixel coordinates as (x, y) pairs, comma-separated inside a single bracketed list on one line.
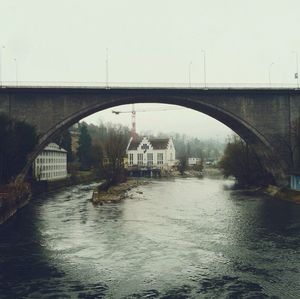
[(244, 42)]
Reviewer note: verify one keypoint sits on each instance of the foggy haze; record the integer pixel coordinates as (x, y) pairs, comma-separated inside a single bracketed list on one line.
[(244, 42), (165, 120)]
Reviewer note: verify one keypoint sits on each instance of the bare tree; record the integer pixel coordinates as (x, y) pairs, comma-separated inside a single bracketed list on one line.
[(114, 151), (290, 145), (241, 161)]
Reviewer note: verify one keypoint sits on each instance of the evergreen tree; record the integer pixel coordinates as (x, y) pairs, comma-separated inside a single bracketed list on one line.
[(239, 160), (84, 147), (64, 140), (18, 139)]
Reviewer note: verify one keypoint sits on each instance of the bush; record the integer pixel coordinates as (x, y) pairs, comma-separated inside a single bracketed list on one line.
[(17, 140), (240, 161)]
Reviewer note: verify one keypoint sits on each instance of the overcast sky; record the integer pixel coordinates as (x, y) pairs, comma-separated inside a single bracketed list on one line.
[(162, 118), (151, 41)]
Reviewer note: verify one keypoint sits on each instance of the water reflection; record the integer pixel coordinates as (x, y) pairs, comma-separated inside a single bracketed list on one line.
[(185, 238)]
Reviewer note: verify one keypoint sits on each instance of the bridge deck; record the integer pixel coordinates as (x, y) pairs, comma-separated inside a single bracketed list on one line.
[(144, 85)]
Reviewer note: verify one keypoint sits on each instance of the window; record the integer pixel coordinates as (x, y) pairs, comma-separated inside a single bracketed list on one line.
[(140, 159), (130, 159), (149, 159), (144, 147), (160, 158)]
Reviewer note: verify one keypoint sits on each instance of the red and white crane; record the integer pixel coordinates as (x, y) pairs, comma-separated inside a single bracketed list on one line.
[(133, 117)]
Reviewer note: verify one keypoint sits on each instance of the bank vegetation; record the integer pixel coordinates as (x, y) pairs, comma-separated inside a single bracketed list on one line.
[(240, 161)]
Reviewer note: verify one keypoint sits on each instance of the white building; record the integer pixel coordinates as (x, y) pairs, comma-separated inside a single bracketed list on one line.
[(194, 161), (151, 152), (51, 163)]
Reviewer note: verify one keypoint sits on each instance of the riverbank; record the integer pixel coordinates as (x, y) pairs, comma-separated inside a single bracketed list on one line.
[(273, 192), (12, 198), (283, 193), (119, 192), (15, 196), (116, 193), (207, 172), (79, 177)]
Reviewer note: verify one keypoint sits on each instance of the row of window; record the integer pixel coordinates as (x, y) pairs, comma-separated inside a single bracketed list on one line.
[(52, 167), (56, 154), (51, 175), (140, 159), (50, 160)]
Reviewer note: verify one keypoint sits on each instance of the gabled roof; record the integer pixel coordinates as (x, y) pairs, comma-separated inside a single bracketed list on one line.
[(157, 143), (134, 144), (54, 148)]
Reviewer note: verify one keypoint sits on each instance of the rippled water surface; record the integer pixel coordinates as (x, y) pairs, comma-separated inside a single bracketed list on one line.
[(185, 238)]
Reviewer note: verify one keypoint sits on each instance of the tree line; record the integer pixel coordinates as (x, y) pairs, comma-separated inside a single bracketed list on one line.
[(101, 148), (188, 146), (240, 161), (107, 141), (18, 139), (95, 143)]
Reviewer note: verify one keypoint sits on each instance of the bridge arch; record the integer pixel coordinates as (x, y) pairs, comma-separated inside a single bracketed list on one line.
[(256, 139)]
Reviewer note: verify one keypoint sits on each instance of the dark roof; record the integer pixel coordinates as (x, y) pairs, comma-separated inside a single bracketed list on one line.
[(157, 143), (134, 144)]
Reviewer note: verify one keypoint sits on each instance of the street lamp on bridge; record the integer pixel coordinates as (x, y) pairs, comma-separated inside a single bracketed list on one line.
[(16, 65), (1, 66), (106, 65), (270, 67), (204, 66), (190, 74), (297, 68)]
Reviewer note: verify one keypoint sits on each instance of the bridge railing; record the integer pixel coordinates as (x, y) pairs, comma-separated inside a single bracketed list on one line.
[(108, 85)]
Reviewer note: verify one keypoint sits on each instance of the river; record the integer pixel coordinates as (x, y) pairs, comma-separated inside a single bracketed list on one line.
[(181, 238)]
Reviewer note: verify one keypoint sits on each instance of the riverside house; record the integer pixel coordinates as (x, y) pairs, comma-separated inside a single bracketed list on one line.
[(51, 163), (151, 154)]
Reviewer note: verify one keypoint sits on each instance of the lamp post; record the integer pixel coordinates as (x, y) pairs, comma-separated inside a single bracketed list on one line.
[(297, 68), (106, 65), (190, 74), (270, 66), (1, 66), (16, 65), (204, 66)]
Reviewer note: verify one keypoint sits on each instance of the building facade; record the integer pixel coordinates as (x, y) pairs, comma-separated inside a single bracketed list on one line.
[(194, 161), (151, 153), (295, 181), (51, 164)]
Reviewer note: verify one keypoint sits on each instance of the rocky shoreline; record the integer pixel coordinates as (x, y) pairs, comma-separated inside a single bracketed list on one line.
[(12, 198), (116, 193), (274, 192), (283, 194)]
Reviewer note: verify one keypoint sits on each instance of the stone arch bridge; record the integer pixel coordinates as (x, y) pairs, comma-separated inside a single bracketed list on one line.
[(264, 118)]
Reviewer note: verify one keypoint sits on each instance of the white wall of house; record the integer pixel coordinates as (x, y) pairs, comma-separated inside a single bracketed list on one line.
[(193, 161), (146, 155), (51, 163)]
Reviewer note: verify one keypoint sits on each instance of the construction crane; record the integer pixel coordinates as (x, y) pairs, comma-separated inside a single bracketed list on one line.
[(133, 117)]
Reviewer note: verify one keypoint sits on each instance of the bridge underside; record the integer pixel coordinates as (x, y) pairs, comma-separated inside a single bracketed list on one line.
[(263, 118)]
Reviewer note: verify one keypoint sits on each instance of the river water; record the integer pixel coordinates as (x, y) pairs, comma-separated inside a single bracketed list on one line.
[(183, 238)]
